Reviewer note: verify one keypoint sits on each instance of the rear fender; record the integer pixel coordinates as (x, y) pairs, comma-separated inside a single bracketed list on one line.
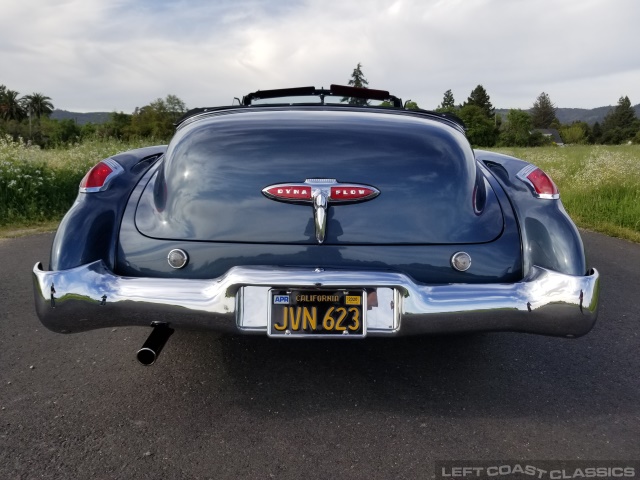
[(550, 239), (88, 232)]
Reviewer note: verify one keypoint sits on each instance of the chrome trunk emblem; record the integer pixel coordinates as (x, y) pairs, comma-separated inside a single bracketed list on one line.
[(320, 192)]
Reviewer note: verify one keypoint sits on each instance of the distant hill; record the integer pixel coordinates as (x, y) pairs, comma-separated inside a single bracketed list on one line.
[(81, 118), (569, 115)]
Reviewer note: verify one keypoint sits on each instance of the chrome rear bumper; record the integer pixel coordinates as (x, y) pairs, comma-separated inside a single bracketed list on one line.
[(91, 296)]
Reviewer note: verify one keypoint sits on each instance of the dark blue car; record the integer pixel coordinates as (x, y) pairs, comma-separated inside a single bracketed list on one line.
[(317, 219)]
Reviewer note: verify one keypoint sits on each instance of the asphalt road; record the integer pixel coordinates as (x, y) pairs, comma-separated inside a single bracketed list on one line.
[(80, 407)]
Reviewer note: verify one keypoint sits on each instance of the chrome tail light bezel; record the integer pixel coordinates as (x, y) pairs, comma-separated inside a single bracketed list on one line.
[(116, 169), (524, 175)]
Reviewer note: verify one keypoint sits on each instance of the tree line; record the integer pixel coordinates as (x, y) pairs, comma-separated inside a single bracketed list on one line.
[(520, 128), (28, 117), (523, 128)]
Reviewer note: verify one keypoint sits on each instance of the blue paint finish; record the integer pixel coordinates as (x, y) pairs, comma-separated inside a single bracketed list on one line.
[(209, 187), (496, 261), (550, 239), (89, 230)]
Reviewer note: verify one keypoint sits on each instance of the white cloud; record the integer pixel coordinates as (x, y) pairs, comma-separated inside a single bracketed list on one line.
[(106, 55)]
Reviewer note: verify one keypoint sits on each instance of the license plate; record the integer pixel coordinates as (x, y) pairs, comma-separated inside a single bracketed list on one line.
[(302, 313)]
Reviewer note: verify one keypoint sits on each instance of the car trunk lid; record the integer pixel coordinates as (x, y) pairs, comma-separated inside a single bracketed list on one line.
[(210, 187)]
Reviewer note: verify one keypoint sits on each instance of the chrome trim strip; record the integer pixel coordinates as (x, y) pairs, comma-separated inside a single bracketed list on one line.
[(91, 296)]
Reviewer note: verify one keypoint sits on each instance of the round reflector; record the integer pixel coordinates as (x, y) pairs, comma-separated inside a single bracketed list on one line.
[(461, 261), (177, 258)]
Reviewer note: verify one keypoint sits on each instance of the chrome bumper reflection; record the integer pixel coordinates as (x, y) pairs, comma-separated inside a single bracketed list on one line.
[(91, 296)]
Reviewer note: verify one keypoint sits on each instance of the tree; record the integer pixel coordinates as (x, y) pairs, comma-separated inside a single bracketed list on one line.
[(118, 126), (145, 120), (481, 130), (480, 98), (11, 106), (596, 133), (38, 104), (408, 105), (15, 109), (359, 81), (517, 130), (175, 107), (620, 125), (543, 113), (60, 132), (448, 104), (576, 133), (157, 119), (3, 92)]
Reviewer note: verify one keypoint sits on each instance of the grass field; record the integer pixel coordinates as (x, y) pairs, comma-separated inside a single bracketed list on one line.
[(599, 185), (38, 186)]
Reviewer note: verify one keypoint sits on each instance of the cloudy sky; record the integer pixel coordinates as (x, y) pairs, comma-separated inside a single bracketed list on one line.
[(114, 55)]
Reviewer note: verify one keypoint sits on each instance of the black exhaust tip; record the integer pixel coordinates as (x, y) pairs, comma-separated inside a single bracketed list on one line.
[(151, 349), (146, 356)]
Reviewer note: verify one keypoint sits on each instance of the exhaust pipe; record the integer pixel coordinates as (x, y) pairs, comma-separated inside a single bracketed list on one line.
[(151, 349)]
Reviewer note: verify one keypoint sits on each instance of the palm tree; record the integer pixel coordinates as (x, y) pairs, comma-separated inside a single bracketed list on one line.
[(38, 104), (3, 91), (11, 106)]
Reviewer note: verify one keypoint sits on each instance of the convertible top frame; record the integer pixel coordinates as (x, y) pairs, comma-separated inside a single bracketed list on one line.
[(333, 91)]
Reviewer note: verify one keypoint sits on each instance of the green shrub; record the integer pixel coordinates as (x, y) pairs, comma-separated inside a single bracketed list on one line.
[(40, 185)]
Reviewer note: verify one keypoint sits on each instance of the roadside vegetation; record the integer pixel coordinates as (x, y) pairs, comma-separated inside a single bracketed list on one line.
[(598, 171), (599, 185), (39, 185)]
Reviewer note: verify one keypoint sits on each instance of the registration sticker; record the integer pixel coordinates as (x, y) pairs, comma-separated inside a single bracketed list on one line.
[(281, 300), (352, 299)]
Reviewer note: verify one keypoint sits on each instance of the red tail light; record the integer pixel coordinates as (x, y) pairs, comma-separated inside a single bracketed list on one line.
[(540, 182), (97, 179)]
